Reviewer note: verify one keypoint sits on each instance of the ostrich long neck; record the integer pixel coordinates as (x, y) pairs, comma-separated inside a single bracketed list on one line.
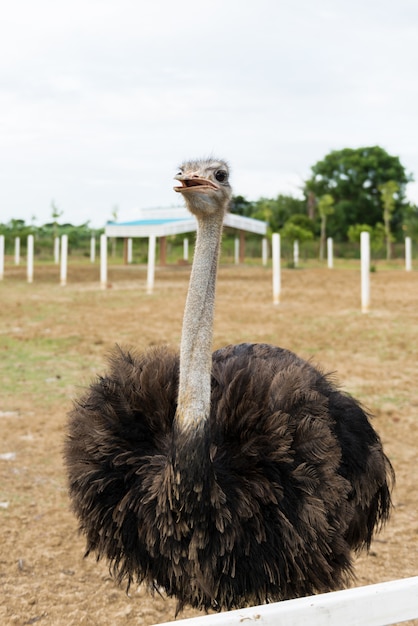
[(196, 341)]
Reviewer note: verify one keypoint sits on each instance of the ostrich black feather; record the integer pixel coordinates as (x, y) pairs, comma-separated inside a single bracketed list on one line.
[(265, 501)]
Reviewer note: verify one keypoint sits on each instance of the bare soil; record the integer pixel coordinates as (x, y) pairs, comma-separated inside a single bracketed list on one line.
[(54, 339)]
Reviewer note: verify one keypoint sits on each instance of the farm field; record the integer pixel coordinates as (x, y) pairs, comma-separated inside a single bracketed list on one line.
[(54, 340)]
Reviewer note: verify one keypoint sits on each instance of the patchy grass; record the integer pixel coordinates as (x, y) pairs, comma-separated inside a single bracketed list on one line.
[(54, 340)]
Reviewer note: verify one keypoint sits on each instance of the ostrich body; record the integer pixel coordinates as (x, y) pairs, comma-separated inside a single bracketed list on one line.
[(225, 479)]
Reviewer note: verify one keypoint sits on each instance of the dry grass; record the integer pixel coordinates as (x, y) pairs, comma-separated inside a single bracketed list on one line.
[(54, 339)]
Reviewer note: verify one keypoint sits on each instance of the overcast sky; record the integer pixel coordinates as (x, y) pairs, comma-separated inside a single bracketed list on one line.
[(101, 100)]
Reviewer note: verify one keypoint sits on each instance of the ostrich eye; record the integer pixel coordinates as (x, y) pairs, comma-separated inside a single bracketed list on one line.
[(221, 176)]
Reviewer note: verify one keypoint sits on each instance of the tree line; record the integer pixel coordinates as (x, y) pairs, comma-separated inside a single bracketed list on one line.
[(348, 191), (78, 236)]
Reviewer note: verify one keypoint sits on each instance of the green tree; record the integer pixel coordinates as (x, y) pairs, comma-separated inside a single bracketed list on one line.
[(388, 192), (298, 227), (275, 211), (264, 209), (410, 223), (241, 206), (294, 232), (325, 208), (352, 177), (377, 234), (56, 214), (303, 221), (278, 210)]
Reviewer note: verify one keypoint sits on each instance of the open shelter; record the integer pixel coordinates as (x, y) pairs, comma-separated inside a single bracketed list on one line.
[(153, 223)]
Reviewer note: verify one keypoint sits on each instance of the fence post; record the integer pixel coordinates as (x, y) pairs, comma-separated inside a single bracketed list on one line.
[(17, 250), (275, 242), (185, 249), (92, 249), (264, 251), (64, 254), (330, 253), (365, 270), (129, 251), (296, 253), (56, 250), (408, 254), (236, 251), (103, 261), (151, 263), (29, 269), (1, 257)]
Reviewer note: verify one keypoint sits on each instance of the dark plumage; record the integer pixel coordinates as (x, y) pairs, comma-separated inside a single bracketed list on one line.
[(287, 477), (262, 499)]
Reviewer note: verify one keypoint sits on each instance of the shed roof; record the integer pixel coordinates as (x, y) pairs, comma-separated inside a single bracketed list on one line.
[(162, 222)]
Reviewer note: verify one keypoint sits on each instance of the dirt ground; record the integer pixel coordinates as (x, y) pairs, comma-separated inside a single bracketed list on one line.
[(54, 339)]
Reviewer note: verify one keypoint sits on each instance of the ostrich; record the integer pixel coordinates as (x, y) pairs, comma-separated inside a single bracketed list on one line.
[(239, 477)]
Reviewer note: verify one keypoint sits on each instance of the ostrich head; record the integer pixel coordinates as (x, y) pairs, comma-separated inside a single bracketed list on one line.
[(205, 186)]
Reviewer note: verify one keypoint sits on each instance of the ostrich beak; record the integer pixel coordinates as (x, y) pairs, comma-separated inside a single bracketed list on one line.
[(191, 182)]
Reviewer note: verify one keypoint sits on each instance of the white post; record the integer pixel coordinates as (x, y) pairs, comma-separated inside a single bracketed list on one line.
[(29, 269), (1, 257), (185, 249), (236, 251), (296, 253), (103, 261), (92, 249), (330, 253), (17, 250), (264, 251), (64, 255), (56, 250), (151, 263), (365, 270), (408, 254), (275, 241), (129, 250)]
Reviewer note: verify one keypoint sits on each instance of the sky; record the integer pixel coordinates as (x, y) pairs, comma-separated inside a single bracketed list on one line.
[(101, 100)]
